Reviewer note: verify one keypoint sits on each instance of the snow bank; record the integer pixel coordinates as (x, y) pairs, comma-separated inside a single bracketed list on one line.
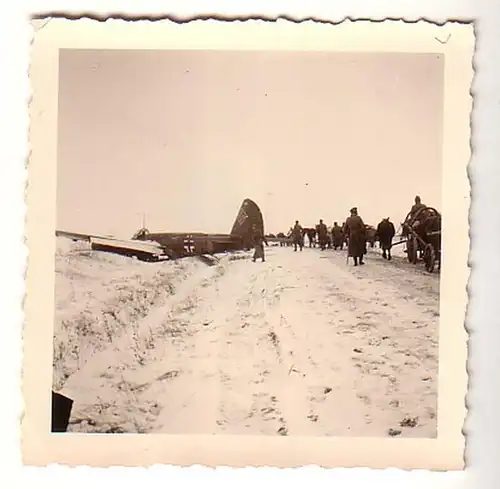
[(101, 296)]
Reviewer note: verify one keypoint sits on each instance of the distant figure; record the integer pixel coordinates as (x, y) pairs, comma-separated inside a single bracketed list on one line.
[(355, 229), (297, 236), (258, 242), (337, 236), (322, 233), (385, 233), (346, 238)]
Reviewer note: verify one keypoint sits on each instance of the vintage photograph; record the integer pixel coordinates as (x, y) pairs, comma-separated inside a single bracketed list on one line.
[(249, 240)]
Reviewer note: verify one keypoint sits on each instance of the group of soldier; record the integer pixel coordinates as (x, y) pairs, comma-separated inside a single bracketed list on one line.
[(353, 232)]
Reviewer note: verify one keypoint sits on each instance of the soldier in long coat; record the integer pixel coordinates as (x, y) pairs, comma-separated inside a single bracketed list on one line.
[(355, 229), (322, 232), (258, 243), (297, 236)]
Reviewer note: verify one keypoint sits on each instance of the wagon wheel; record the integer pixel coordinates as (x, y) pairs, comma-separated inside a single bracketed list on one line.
[(429, 258)]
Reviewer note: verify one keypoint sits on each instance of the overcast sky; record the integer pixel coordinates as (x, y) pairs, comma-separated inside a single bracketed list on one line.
[(185, 136)]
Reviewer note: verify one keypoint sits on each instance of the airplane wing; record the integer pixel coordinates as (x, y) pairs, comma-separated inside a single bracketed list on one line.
[(140, 249), (146, 250), (75, 236)]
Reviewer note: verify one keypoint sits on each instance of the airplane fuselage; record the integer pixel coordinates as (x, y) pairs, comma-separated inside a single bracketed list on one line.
[(178, 245)]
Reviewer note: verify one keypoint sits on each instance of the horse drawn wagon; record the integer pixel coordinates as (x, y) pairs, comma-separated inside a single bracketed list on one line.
[(422, 234)]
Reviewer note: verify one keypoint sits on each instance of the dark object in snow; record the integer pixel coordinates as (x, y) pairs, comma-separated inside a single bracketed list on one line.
[(393, 432), (61, 411), (409, 422)]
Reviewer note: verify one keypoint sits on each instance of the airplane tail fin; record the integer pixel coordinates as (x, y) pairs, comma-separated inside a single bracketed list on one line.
[(248, 216)]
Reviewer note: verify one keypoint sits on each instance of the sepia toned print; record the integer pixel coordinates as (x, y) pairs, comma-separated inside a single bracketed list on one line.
[(254, 242)]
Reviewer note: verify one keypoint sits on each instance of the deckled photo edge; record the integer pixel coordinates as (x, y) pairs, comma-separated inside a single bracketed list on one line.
[(40, 448)]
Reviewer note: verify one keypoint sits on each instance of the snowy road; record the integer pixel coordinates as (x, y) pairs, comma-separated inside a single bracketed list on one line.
[(300, 345)]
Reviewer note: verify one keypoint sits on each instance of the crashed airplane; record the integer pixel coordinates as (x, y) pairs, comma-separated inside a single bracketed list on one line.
[(158, 246)]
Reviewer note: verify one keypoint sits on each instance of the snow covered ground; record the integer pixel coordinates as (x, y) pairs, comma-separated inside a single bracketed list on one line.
[(302, 344)]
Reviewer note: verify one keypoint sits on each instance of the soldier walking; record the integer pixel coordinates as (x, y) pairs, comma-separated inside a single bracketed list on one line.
[(322, 232), (258, 242), (355, 229), (337, 236), (297, 236)]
